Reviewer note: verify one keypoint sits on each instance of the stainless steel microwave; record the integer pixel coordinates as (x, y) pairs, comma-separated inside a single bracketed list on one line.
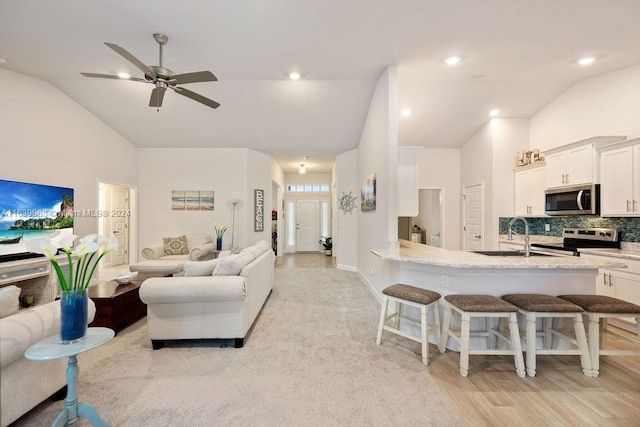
[(577, 200)]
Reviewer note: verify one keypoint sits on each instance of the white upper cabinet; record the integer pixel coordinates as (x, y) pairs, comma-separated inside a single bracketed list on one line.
[(529, 191), (569, 167), (408, 181), (620, 181)]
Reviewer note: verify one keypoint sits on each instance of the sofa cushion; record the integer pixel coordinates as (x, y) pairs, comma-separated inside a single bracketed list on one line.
[(199, 268), (175, 245), (232, 265), (9, 300), (256, 249)]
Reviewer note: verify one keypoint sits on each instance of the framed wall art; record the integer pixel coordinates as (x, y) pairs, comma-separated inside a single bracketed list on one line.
[(368, 194)]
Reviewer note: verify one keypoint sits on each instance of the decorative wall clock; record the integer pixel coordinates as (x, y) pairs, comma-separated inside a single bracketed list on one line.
[(347, 203)]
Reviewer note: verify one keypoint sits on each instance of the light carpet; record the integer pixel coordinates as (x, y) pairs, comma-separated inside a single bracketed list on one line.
[(310, 360)]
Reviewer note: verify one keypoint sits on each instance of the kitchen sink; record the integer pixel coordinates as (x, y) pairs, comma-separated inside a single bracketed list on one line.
[(509, 253)]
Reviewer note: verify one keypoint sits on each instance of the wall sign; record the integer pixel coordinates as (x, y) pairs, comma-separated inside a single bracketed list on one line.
[(258, 211)]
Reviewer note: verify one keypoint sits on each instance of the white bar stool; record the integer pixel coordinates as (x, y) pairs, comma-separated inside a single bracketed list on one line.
[(487, 307), (598, 308), (416, 297), (548, 308)]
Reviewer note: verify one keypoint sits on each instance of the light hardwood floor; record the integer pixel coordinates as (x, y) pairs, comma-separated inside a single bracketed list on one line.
[(494, 395)]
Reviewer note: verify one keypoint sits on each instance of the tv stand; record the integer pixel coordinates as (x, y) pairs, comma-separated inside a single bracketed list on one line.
[(33, 276), (19, 256)]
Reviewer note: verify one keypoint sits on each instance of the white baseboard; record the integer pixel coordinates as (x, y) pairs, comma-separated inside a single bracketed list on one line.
[(370, 286), (347, 268)]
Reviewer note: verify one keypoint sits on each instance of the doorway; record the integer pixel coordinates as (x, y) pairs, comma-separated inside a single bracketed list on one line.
[(307, 221), (473, 217), (115, 219), (431, 216)]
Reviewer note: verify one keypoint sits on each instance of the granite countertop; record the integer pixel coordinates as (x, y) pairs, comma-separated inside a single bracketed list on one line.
[(614, 253), (431, 255)]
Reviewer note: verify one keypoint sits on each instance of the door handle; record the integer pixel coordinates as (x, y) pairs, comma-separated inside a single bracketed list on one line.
[(477, 236), (635, 205), (579, 199), (628, 205), (605, 279), (297, 226)]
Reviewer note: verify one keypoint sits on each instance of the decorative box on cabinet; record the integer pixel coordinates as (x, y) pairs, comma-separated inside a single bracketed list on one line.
[(620, 180), (529, 191)]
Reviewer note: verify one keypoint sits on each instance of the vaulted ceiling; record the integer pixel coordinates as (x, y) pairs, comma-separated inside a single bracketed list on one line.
[(517, 56)]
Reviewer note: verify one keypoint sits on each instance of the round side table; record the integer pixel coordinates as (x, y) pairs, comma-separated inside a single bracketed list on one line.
[(49, 349)]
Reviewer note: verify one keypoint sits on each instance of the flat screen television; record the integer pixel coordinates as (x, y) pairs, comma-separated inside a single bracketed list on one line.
[(31, 211)]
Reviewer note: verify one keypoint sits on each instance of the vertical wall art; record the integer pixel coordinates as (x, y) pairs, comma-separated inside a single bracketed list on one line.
[(368, 194), (191, 200), (258, 211)]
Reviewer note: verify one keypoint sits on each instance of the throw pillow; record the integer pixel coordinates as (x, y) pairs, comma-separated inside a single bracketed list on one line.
[(9, 300), (199, 268), (232, 265), (175, 245)]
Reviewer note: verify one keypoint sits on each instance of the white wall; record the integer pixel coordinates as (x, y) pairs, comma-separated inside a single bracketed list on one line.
[(346, 239), (232, 173), (604, 105), (378, 153), (49, 139), (440, 168)]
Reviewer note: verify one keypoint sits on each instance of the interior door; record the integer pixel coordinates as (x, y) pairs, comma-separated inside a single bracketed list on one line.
[(117, 199), (473, 217), (307, 225)]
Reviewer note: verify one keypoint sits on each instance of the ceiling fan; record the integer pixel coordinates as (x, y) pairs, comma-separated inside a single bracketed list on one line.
[(162, 78)]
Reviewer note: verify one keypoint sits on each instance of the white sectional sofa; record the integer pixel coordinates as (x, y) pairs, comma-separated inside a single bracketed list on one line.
[(27, 383), (200, 247), (216, 299)]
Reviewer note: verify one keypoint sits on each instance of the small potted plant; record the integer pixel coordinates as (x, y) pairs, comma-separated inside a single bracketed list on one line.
[(328, 245)]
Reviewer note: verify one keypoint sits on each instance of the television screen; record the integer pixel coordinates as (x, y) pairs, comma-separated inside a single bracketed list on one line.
[(31, 211)]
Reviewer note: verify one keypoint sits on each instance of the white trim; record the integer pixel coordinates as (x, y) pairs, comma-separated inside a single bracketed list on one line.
[(347, 268)]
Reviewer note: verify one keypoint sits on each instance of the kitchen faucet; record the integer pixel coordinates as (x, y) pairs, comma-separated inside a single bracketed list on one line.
[(527, 245)]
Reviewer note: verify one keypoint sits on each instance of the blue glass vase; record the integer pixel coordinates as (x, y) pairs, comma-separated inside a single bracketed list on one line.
[(73, 316), (218, 243)]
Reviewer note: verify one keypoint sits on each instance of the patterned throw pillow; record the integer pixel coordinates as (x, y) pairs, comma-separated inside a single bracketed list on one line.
[(175, 245)]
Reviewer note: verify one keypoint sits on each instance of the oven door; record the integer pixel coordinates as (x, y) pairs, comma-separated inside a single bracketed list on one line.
[(578, 200)]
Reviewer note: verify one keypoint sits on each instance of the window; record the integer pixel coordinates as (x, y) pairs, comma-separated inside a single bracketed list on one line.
[(313, 188)]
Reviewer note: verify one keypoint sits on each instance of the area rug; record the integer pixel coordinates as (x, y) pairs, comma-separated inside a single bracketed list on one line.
[(311, 360)]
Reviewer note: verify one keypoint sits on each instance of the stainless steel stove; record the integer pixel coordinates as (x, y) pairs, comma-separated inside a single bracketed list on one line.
[(576, 238)]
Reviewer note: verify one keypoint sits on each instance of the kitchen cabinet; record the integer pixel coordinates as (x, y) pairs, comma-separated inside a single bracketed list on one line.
[(529, 191), (573, 166), (623, 284), (620, 181)]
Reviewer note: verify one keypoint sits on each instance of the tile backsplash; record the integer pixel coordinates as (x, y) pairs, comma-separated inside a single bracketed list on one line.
[(629, 227)]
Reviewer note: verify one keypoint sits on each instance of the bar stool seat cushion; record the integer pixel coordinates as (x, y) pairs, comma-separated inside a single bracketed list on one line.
[(411, 293), (481, 303), (602, 304), (541, 303)]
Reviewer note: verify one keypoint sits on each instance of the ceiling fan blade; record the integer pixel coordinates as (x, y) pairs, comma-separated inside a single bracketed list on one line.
[(199, 76), (196, 97), (109, 76), (157, 95), (135, 61)]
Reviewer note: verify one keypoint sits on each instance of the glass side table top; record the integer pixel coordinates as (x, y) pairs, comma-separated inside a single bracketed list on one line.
[(50, 347)]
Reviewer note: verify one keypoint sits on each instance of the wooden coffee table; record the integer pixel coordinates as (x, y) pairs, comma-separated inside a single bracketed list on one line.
[(118, 306)]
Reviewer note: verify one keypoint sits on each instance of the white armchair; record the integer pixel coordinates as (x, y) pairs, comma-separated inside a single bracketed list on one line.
[(199, 247)]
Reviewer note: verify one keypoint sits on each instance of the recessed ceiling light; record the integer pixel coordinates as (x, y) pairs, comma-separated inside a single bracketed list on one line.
[(452, 60), (406, 112), (494, 112), (294, 75), (587, 60), (302, 169), (124, 75)]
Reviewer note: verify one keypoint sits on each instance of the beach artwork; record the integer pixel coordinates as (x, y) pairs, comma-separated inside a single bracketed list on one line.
[(192, 200), (368, 194)]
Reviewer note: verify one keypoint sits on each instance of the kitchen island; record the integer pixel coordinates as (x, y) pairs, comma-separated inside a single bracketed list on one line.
[(449, 271)]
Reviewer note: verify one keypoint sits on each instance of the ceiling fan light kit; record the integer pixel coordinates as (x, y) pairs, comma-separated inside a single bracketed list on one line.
[(162, 78)]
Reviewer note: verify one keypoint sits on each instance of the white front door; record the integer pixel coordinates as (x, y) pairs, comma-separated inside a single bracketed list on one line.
[(307, 225), (117, 203), (473, 196)]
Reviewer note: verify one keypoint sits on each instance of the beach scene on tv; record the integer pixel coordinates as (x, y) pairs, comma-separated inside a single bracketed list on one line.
[(30, 211)]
